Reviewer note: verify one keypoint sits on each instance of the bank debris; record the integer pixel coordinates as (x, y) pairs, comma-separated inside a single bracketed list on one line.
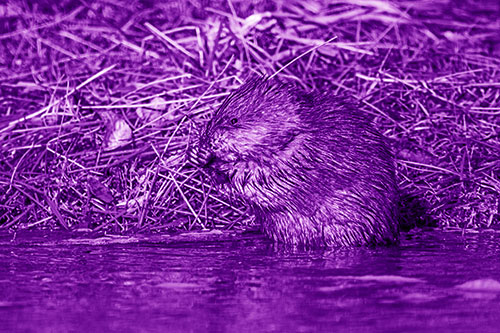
[(100, 102)]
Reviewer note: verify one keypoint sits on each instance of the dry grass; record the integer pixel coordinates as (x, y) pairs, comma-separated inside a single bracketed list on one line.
[(100, 102)]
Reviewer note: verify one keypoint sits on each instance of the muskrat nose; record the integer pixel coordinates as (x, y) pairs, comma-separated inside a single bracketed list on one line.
[(201, 156), (207, 160)]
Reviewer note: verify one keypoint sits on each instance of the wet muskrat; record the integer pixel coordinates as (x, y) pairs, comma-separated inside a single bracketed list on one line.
[(313, 169)]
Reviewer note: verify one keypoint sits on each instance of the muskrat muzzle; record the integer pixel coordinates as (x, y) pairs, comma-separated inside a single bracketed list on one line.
[(201, 157)]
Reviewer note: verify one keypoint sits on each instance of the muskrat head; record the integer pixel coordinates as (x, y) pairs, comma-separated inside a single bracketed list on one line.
[(254, 124)]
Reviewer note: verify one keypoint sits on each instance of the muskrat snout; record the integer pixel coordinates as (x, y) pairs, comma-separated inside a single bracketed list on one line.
[(201, 157), (207, 159)]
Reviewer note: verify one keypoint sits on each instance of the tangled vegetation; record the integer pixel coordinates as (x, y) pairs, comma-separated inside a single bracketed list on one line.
[(100, 101)]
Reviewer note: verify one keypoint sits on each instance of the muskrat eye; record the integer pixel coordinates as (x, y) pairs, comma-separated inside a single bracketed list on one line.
[(234, 121)]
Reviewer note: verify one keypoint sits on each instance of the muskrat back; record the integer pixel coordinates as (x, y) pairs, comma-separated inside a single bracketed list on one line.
[(312, 167)]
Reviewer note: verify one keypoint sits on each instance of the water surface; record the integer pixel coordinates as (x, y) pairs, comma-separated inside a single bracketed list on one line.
[(434, 281)]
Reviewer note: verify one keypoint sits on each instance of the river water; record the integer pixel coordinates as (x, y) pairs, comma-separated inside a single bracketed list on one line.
[(434, 281)]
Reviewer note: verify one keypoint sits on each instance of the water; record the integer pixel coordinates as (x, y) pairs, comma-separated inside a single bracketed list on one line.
[(434, 281)]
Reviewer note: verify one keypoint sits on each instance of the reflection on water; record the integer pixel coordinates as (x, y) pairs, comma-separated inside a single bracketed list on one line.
[(434, 281)]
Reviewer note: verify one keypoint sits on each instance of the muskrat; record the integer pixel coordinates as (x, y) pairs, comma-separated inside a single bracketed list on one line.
[(312, 167)]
